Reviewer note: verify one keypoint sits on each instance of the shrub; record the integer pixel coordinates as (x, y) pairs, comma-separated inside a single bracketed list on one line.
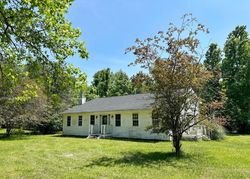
[(47, 124), (217, 132)]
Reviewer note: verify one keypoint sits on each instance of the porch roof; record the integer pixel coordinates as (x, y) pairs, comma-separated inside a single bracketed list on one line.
[(117, 103)]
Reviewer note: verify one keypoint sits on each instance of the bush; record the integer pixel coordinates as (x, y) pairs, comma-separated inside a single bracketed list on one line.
[(49, 124), (217, 133)]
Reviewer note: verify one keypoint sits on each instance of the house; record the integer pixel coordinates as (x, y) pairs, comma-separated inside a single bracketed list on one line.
[(121, 116)]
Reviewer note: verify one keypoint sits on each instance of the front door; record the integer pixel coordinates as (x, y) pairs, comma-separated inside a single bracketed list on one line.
[(104, 120)]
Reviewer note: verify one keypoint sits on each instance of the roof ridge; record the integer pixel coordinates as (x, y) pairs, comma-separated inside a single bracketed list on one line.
[(112, 103), (122, 96)]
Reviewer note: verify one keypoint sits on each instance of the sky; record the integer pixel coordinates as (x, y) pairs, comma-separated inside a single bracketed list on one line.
[(110, 26)]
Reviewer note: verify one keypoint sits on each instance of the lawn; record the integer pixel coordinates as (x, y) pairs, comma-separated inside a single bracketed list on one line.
[(53, 156)]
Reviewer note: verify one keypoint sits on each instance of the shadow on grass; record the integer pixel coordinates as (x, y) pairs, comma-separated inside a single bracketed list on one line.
[(4, 137), (25, 135), (68, 136), (143, 159), (112, 139), (16, 135), (137, 140)]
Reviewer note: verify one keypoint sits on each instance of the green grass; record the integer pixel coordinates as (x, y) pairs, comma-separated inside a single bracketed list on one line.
[(52, 156)]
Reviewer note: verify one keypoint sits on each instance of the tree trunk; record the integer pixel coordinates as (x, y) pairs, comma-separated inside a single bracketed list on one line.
[(177, 144), (8, 131)]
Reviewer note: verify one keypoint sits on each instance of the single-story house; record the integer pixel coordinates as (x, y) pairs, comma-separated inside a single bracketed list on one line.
[(121, 116)]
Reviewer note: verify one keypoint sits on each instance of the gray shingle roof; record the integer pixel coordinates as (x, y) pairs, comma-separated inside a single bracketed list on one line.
[(129, 102)]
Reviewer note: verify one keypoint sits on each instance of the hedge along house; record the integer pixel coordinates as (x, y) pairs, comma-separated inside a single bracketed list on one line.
[(122, 116)]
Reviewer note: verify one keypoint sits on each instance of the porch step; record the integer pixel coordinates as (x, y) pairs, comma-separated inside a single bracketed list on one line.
[(92, 136), (104, 136)]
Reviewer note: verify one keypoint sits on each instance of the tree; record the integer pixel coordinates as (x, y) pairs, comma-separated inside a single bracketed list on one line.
[(141, 82), (212, 92), (38, 28), (60, 96), (91, 93), (37, 34), (173, 60), (101, 80), (236, 79), (106, 83), (15, 110), (212, 63), (119, 84)]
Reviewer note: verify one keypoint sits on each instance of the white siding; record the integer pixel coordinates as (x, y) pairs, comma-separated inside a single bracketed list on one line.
[(126, 130), (74, 129)]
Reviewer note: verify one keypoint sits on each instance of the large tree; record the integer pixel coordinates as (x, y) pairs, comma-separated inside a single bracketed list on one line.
[(212, 63), (38, 29), (212, 92), (91, 93), (15, 109), (36, 39), (119, 84), (101, 80), (173, 59), (236, 79), (63, 87), (106, 83), (141, 82)]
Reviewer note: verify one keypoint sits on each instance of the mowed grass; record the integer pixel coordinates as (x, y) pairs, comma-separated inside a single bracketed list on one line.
[(52, 156)]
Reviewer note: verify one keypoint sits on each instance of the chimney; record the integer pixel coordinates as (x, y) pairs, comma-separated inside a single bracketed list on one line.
[(83, 99)]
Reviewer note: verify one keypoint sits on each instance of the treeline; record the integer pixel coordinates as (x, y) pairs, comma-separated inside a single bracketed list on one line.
[(228, 90), (34, 97), (37, 83), (106, 83)]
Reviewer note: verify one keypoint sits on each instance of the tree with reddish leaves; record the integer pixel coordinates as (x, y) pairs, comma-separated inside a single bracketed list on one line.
[(173, 60)]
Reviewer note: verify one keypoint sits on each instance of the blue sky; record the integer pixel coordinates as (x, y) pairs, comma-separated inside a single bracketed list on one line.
[(110, 26)]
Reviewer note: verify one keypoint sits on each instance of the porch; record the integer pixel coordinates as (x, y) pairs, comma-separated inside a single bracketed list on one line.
[(100, 128), (101, 131)]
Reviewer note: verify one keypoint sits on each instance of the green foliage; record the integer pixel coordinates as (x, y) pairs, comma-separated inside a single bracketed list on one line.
[(212, 92), (101, 80), (141, 82), (119, 84), (36, 38), (91, 93), (218, 133), (51, 123), (215, 130), (15, 101), (236, 79), (38, 28), (212, 63), (106, 83)]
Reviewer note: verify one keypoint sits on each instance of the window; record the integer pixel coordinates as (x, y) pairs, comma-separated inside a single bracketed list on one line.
[(118, 120), (135, 119), (155, 122), (69, 121), (92, 120), (79, 120)]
